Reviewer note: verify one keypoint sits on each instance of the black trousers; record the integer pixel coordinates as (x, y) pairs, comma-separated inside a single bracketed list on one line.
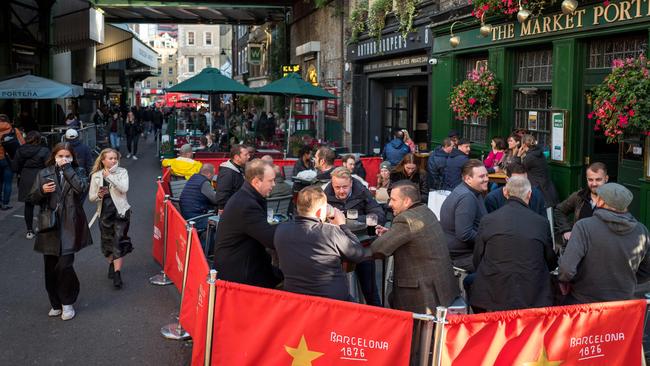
[(29, 215), (61, 281), (132, 143), (366, 272)]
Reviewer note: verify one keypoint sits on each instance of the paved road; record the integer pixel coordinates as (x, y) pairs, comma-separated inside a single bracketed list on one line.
[(112, 327)]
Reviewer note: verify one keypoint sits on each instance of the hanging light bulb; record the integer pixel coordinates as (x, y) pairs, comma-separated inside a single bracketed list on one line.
[(485, 29), (454, 41), (569, 6)]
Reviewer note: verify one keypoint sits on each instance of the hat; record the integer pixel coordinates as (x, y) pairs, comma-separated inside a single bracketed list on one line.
[(615, 196), (463, 142), (385, 165), (452, 133), (71, 134)]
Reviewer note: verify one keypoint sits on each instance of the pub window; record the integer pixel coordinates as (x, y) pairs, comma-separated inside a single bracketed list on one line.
[(535, 67), (475, 129), (603, 51), (533, 113)]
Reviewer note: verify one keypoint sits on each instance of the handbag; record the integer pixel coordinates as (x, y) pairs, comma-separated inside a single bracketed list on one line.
[(48, 219)]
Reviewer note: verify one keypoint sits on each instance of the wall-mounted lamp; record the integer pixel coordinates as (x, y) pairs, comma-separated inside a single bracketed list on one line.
[(454, 41), (569, 6), (523, 14), (486, 29)]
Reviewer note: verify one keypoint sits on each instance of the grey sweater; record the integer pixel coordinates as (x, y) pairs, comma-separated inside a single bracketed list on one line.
[(606, 257)]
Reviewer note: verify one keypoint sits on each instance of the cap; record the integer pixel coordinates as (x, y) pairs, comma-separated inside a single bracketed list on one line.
[(384, 165), (615, 196), (71, 134), (452, 133)]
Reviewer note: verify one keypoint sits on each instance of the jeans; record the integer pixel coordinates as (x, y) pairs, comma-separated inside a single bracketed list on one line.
[(115, 140), (366, 272), (132, 143), (6, 180)]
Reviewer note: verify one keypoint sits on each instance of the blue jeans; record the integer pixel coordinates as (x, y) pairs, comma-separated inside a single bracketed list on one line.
[(6, 180), (115, 140)]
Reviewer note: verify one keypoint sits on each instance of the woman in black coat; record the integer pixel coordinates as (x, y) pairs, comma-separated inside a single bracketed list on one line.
[(29, 159), (59, 190), (407, 169), (533, 159)]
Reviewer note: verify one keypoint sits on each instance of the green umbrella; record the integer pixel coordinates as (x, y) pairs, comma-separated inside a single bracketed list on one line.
[(211, 81), (293, 86)]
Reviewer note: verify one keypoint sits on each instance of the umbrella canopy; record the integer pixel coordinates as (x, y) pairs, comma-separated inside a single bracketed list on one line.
[(294, 86), (211, 81), (36, 87)]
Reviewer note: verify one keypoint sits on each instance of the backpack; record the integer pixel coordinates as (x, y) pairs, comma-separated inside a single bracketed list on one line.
[(10, 143)]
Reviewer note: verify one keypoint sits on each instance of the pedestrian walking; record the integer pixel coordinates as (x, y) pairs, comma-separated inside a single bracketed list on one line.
[(29, 160), (109, 184), (10, 139), (63, 229), (133, 129), (115, 128)]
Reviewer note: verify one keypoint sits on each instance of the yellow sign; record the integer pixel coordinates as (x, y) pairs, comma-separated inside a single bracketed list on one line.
[(312, 75), (286, 69)]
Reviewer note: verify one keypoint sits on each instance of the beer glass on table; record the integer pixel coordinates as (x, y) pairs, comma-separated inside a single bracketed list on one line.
[(352, 214), (371, 222)]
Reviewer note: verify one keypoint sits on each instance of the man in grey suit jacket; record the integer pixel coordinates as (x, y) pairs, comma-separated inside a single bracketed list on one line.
[(424, 277)]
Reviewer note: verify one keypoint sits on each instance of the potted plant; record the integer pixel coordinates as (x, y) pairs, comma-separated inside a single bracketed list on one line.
[(474, 97), (620, 105)]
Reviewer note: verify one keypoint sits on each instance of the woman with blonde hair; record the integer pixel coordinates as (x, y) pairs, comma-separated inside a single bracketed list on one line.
[(408, 141), (109, 184)]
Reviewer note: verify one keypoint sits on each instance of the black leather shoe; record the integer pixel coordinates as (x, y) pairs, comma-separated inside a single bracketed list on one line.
[(111, 271), (117, 280)]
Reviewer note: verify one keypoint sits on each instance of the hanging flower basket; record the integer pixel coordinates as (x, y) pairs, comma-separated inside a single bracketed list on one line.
[(621, 107), (474, 97), (506, 7)]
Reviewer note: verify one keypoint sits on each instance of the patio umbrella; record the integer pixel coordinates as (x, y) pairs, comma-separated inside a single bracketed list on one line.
[(211, 81), (293, 86), (36, 87)]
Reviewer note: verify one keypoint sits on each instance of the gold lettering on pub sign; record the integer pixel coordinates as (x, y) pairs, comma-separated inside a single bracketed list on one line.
[(613, 12)]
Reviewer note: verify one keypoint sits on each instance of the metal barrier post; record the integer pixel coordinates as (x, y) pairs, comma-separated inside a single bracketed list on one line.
[(439, 338), (426, 334), (161, 278), (212, 281), (174, 330)]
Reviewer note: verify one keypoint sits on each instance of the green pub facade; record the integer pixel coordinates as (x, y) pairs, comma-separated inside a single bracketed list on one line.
[(546, 68)]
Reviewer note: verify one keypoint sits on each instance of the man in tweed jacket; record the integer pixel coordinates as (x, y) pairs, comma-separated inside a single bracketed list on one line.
[(423, 274)]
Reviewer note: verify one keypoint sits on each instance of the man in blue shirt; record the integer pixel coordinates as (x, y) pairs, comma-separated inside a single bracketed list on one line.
[(495, 199)]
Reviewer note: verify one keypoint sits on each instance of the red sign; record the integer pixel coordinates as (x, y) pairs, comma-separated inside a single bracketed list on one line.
[(257, 326), (176, 246), (159, 224), (592, 334), (196, 294), (332, 105)]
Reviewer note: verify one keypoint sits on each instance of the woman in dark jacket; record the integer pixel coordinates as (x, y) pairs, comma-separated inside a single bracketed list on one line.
[(533, 159), (133, 129), (59, 189), (29, 160), (407, 169)]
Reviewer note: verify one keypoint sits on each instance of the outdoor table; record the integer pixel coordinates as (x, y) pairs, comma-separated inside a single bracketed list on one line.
[(498, 178)]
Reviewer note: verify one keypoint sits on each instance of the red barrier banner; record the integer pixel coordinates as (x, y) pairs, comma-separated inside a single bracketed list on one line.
[(591, 334), (258, 326), (159, 224), (176, 246), (196, 292)]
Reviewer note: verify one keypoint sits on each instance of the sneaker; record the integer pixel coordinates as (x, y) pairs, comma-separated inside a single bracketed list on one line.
[(128, 156), (117, 280), (6, 207), (30, 234), (68, 312), (134, 157), (54, 312)]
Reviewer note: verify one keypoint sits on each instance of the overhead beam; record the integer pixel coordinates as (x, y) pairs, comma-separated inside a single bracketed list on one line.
[(247, 4)]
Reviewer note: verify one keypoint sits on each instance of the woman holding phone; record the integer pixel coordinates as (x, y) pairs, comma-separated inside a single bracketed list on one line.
[(59, 189), (109, 184)]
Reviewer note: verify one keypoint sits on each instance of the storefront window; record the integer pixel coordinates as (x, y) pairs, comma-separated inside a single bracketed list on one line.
[(396, 111), (475, 130), (535, 67), (533, 113), (603, 51)]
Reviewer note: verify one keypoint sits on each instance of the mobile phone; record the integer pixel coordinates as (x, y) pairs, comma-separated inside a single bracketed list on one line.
[(50, 180)]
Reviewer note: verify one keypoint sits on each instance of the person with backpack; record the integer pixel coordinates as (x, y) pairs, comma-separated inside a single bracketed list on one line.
[(10, 139)]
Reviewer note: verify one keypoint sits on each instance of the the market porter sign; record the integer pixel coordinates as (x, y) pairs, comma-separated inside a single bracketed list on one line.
[(547, 25)]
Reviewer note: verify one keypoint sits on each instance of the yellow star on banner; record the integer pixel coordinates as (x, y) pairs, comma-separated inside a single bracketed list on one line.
[(543, 360), (302, 356)]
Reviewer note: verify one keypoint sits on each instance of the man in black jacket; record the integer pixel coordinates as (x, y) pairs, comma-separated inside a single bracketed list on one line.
[(451, 173), (244, 234), (231, 174), (345, 193), (324, 162), (198, 196), (513, 261), (311, 251), (437, 163)]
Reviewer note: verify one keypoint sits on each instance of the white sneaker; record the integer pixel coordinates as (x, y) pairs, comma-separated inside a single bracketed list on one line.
[(30, 235), (68, 312), (134, 157), (128, 156), (54, 312)]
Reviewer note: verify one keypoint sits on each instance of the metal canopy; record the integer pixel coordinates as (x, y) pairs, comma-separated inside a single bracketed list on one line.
[(244, 12)]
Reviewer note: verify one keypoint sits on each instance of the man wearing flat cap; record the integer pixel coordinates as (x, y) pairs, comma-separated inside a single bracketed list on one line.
[(607, 254)]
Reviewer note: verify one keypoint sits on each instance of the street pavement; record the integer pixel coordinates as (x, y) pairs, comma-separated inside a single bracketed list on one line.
[(112, 327)]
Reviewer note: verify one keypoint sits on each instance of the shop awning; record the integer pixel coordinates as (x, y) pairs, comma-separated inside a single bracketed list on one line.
[(120, 43), (76, 26), (36, 87)]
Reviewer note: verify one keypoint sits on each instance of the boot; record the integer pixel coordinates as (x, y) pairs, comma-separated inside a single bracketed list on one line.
[(111, 271), (117, 280)]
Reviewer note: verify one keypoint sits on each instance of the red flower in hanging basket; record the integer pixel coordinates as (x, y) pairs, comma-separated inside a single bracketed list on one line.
[(471, 101)]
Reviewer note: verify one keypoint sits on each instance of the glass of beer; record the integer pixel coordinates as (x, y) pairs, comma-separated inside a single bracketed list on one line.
[(352, 214), (371, 222), (269, 215)]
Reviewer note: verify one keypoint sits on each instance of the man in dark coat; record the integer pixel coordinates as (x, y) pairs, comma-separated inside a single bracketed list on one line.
[(395, 150), (461, 214), (451, 173), (244, 234), (198, 196), (513, 255), (345, 193), (231, 175), (607, 254), (537, 167), (497, 199), (324, 163), (81, 150), (311, 251), (437, 163)]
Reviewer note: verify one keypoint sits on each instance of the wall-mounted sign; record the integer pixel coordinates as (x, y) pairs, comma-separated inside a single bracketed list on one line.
[(558, 134), (286, 69), (396, 63), (532, 120), (254, 53), (332, 105), (391, 43), (312, 75)]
